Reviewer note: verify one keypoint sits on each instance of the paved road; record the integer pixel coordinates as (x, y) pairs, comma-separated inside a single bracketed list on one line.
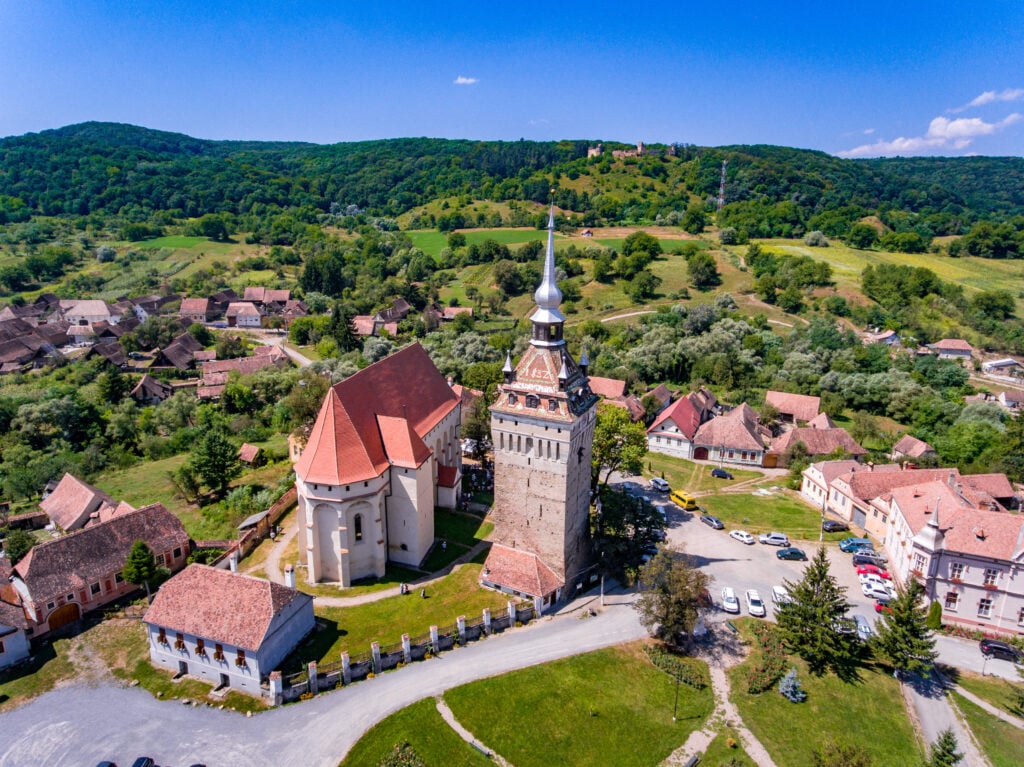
[(82, 725)]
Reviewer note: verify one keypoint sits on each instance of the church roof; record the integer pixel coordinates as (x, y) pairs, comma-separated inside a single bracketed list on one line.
[(359, 421)]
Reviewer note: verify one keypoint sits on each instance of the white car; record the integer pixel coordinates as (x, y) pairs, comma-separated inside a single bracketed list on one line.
[(729, 601), (742, 536), (874, 591), (754, 604), (780, 595), (871, 578), (774, 539)]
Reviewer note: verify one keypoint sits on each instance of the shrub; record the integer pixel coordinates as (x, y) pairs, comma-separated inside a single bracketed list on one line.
[(934, 619), (790, 688), (815, 239)]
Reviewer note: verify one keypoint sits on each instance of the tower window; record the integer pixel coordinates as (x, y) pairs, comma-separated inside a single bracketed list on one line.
[(358, 524), (532, 400), (553, 405)]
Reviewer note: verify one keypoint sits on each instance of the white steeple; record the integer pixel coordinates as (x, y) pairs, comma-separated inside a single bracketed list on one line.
[(547, 295)]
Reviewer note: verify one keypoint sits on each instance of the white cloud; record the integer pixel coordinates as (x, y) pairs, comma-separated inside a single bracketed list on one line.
[(460, 80), (868, 131), (539, 121), (943, 133), (988, 97)]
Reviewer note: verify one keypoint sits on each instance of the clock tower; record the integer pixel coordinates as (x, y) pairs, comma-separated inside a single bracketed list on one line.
[(542, 430)]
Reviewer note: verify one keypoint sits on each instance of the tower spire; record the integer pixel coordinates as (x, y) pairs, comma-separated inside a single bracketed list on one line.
[(547, 319)]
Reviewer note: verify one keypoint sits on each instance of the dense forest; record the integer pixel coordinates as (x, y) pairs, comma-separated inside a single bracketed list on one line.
[(136, 173)]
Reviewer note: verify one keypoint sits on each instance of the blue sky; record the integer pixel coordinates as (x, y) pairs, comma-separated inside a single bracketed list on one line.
[(855, 79)]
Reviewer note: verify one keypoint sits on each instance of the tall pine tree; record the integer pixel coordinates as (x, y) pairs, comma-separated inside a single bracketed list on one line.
[(903, 637), (943, 752), (808, 623)]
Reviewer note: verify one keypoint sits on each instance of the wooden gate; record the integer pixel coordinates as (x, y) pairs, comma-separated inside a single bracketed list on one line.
[(64, 615)]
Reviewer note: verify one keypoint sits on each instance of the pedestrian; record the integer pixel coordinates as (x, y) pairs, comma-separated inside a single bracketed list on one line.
[(423, 593), (444, 545)]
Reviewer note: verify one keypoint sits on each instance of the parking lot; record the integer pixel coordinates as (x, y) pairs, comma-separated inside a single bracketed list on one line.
[(742, 566)]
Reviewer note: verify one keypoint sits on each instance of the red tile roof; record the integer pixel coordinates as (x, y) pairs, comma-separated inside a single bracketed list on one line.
[(952, 344), (682, 413), (242, 309), (221, 606), (244, 365), (817, 441), (74, 561), (821, 421), (192, 306), (401, 443), (248, 453), (347, 443), (520, 571), (607, 387), (70, 503), (737, 430), (800, 407), (447, 476), (363, 324), (911, 447)]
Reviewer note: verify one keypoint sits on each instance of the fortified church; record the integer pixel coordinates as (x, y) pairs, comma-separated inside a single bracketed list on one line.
[(384, 452)]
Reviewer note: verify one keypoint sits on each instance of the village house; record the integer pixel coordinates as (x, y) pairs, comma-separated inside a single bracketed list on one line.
[(952, 349), (887, 337), (383, 452), (913, 449), (817, 441), (967, 557), (60, 580), (673, 431), (225, 628), (243, 314), (1011, 399), (793, 408), (266, 296), (735, 437), (215, 373), (250, 455), (150, 391), (71, 503), (88, 312), (1007, 366), (14, 641), (194, 310), (817, 480)]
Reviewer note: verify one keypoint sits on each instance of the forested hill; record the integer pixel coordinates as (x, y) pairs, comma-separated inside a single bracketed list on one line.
[(122, 169)]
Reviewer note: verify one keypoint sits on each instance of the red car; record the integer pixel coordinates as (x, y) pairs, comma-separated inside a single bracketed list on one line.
[(873, 570), (882, 607)]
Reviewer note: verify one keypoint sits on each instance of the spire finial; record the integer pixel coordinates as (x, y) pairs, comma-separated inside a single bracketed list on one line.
[(934, 521), (548, 296)]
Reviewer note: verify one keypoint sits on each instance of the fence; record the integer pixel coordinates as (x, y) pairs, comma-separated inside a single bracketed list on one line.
[(353, 668)]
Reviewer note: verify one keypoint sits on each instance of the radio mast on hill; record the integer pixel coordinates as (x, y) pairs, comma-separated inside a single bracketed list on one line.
[(721, 187)]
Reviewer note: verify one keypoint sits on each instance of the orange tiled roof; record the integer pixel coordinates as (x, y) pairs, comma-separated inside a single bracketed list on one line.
[(401, 443), (682, 413), (912, 447), (610, 388), (520, 571), (818, 441), (737, 429), (800, 406), (71, 501), (952, 344), (221, 606), (346, 443)]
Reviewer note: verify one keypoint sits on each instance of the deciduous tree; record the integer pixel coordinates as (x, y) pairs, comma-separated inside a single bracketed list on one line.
[(623, 528), (672, 595), (619, 444)]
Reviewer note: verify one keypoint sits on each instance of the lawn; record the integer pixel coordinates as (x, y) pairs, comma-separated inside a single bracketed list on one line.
[(610, 707), (720, 754), (352, 629), (999, 692), (868, 712), (693, 477), (393, 576), (1002, 743), (50, 664), (421, 726), (781, 511), (465, 529)]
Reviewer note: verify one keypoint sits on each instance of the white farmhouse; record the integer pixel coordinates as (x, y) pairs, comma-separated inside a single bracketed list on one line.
[(229, 629)]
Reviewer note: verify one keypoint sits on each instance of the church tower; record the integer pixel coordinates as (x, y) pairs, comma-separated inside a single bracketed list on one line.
[(542, 430)]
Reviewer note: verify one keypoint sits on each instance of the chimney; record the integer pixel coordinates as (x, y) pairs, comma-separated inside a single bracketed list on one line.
[(871, 465), (952, 479), (289, 576)]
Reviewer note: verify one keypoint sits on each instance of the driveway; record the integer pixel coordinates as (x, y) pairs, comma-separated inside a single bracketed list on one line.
[(82, 725)]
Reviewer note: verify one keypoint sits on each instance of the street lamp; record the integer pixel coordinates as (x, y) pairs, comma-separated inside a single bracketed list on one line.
[(675, 706)]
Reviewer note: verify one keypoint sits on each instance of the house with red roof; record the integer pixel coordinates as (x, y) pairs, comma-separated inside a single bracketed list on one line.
[(793, 407), (967, 556), (383, 452), (952, 349), (672, 432), (911, 448), (226, 628), (818, 442), (70, 504), (61, 579), (734, 437), (14, 642)]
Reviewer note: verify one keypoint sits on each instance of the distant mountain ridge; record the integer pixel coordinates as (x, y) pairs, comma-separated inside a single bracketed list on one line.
[(98, 167)]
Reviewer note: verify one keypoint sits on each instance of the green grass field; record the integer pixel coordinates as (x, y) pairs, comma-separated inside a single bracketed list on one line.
[(421, 726), (999, 692), (719, 754), (761, 514), (693, 477), (868, 712), (610, 707), (352, 629), (1001, 742)]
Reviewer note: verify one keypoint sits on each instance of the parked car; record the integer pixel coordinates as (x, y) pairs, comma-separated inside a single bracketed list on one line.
[(780, 595), (850, 544), (791, 552), (864, 631), (874, 570), (844, 625), (869, 558), (720, 473), (660, 485), (143, 761), (993, 648), (729, 601), (882, 606), (834, 526), (866, 578), (712, 521), (874, 591), (754, 604), (774, 539), (742, 536)]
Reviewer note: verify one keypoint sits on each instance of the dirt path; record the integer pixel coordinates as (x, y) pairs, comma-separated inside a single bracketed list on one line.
[(996, 712), (449, 717), (628, 314), (727, 653)]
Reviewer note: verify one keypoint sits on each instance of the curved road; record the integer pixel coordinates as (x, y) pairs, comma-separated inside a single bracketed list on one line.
[(83, 725)]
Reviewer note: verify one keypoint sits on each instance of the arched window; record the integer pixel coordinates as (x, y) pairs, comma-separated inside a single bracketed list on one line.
[(357, 523)]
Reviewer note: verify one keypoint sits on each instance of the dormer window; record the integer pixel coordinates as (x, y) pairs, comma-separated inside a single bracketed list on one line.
[(512, 398), (552, 405), (532, 400)]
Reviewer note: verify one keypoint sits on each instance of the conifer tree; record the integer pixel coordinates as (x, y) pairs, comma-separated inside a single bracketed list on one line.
[(140, 568), (808, 623), (903, 638), (943, 752)]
